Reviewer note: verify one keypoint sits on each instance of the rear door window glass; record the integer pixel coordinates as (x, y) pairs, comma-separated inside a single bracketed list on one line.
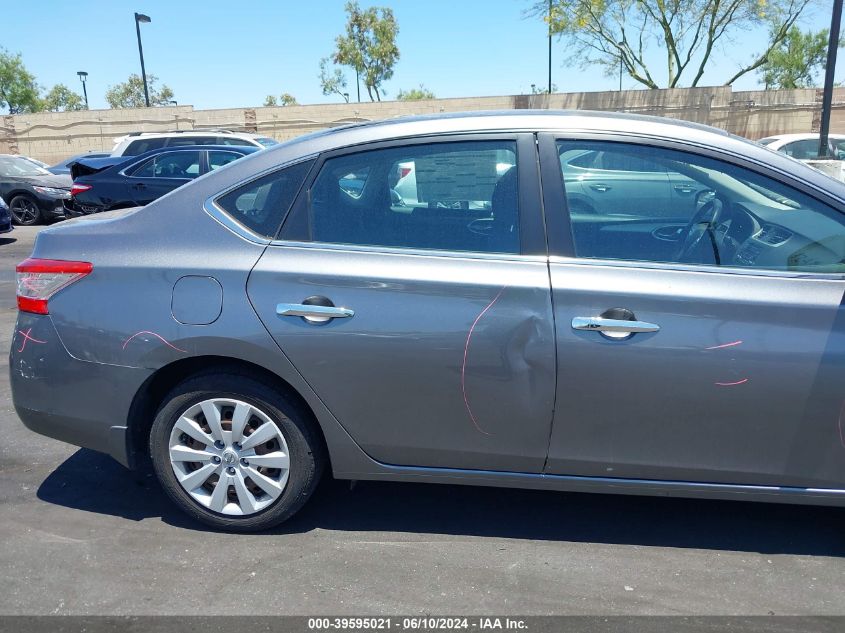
[(217, 159), (455, 196)]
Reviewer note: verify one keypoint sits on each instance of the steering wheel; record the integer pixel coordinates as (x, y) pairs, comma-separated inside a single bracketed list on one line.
[(703, 223)]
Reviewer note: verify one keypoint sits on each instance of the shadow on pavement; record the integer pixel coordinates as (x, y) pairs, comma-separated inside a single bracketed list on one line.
[(95, 483), (7, 240)]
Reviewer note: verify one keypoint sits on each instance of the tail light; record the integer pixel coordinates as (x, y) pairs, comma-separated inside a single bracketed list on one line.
[(404, 171), (40, 279), (76, 188)]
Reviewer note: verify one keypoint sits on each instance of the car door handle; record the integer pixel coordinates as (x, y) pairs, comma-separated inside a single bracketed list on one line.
[(600, 187), (600, 324), (684, 189), (313, 311), (139, 185)]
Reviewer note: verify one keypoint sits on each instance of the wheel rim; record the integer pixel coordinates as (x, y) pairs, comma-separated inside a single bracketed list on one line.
[(24, 211), (229, 456)]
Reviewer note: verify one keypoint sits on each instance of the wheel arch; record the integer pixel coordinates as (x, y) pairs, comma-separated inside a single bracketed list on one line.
[(150, 396)]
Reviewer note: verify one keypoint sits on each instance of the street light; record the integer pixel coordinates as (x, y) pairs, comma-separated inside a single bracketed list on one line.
[(140, 17), (83, 76), (346, 96)]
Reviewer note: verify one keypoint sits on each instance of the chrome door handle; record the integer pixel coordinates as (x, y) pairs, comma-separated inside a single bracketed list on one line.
[(600, 187), (600, 324), (313, 311)]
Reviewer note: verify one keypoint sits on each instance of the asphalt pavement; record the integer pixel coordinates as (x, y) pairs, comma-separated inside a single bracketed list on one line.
[(79, 534)]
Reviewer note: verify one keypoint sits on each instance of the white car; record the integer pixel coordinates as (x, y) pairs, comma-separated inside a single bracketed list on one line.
[(804, 146), (139, 142)]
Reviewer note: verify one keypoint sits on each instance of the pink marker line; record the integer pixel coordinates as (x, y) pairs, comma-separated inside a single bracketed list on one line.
[(464, 366), (841, 434), (158, 336), (27, 337), (732, 384), (724, 345)]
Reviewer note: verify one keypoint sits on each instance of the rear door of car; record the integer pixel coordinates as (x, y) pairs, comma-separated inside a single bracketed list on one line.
[(163, 173), (721, 365), (427, 326)]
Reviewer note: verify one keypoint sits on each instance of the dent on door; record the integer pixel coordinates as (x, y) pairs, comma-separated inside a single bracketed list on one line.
[(442, 362)]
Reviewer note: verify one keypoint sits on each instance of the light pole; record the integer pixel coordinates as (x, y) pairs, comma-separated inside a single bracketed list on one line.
[(346, 97), (140, 17), (830, 67), (550, 46), (83, 76)]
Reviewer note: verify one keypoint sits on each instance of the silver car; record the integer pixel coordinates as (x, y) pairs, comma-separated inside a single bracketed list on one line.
[(288, 315)]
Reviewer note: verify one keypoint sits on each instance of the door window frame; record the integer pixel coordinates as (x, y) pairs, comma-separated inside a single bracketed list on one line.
[(129, 172), (560, 239), (532, 237)]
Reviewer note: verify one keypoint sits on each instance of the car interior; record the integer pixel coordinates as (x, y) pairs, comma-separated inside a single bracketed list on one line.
[(735, 218), (462, 202)]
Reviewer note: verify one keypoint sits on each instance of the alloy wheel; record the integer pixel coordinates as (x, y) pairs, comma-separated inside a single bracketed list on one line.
[(229, 456), (24, 211)]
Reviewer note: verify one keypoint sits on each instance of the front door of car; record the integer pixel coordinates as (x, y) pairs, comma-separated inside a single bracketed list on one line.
[(163, 173), (424, 325), (720, 363)]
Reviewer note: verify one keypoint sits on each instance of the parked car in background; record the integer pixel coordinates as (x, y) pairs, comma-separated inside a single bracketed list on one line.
[(286, 316), (5, 217), (142, 142), (35, 161), (33, 194), (805, 146), (103, 184), (64, 166)]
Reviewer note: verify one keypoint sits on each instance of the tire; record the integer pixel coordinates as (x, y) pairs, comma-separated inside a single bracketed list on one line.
[(243, 506), (24, 210)]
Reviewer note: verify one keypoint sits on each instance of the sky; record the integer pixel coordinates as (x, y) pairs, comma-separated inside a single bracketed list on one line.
[(218, 54)]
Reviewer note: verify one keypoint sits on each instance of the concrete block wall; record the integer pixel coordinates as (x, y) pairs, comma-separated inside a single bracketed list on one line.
[(52, 137)]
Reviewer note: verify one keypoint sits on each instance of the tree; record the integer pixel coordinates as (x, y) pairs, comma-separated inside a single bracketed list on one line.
[(541, 90), (415, 94), (332, 81), (369, 46), (285, 99), (130, 94), (609, 32), (796, 61), (61, 98), (18, 89)]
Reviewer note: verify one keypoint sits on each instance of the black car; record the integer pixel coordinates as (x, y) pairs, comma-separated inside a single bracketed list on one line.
[(64, 166), (33, 194), (5, 217), (103, 184)]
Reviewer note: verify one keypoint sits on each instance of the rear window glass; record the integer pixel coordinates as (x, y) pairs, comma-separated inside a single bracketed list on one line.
[(262, 204)]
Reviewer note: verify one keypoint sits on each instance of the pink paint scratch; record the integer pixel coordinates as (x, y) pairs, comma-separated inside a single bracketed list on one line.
[(841, 434), (732, 384), (158, 336), (466, 353), (26, 337), (724, 345)]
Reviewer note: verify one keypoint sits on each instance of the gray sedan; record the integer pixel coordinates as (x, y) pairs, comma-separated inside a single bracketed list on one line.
[(631, 305)]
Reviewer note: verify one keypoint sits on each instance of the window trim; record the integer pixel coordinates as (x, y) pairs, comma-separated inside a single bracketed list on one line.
[(218, 213), (561, 241), (532, 238)]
